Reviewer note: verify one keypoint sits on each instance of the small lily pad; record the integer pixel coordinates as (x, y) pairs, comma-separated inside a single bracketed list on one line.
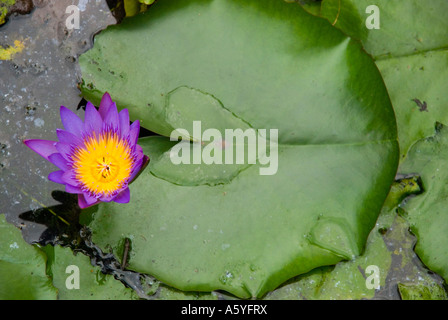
[(22, 267), (427, 212), (77, 279)]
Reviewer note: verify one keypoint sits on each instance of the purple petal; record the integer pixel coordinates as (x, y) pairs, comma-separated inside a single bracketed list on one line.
[(45, 148), (106, 198), (139, 151), (83, 203), (93, 121), (58, 161), (134, 131), (111, 119), (71, 121), (89, 199), (69, 138), (124, 122), (64, 149), (139, 167), (106, 102), (72, 189), (56, 176), (123, 197), (69, 178)]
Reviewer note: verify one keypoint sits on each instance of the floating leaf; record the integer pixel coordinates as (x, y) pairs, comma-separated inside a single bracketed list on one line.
[(414, 80), (22, 267), (427, 212), (413, 32), (410, 51), (68, 268), (389, 257), (422, 292), (261, 65)]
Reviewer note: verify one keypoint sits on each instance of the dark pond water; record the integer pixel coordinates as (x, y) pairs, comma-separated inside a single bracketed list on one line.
[(33, 85)]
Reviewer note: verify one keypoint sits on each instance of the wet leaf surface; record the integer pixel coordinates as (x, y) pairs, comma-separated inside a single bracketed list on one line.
[(422, 292), (418, 77), (411, 59), (77, 279), (388, 254), (427, 213), (334, 135), (410, 52), (22, 267), (405, 27)]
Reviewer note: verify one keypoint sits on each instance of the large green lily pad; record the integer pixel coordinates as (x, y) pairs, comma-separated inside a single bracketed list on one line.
[(410, 50), (249, 65), (389, 253), (403, 27), (417, 87), (411, 54)]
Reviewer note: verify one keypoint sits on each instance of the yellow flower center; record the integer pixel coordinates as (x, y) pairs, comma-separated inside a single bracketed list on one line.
[(104, 164)]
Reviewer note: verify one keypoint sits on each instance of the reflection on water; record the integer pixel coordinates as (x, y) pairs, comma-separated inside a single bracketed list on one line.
[(61, 221)]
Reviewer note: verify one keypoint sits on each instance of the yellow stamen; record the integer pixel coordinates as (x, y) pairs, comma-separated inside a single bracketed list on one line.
[(104, 164)]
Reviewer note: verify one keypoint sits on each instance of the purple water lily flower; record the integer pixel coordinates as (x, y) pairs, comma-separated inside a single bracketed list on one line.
[(97, 158)]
